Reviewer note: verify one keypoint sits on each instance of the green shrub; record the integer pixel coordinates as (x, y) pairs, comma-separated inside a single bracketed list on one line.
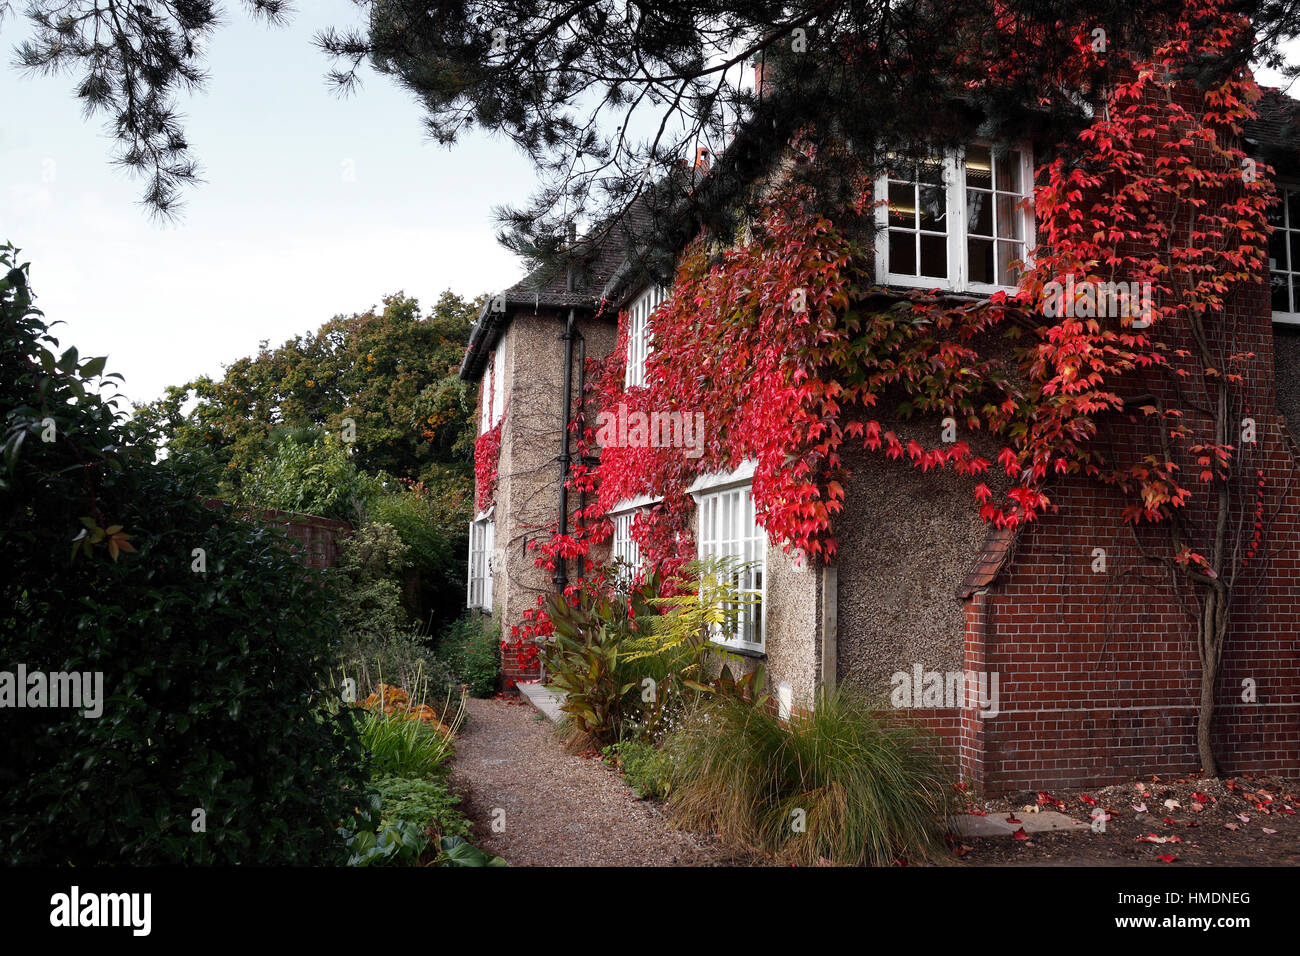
[(428, 803), (630, 659), (308, 471), (456, 852), (400, 659), (472, 650), (369, 582), (646, 768), (431, 519), (399, 844), (215, 681), (865, 791)]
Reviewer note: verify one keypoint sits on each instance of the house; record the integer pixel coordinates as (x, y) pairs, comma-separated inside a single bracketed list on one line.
[(1080, 677)]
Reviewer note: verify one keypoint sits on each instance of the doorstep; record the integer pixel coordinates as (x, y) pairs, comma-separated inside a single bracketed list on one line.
[(545, 700)]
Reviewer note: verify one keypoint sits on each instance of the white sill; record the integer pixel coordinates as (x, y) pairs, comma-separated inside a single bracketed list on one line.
[(947, 285), (1286, 318), (744, 650)]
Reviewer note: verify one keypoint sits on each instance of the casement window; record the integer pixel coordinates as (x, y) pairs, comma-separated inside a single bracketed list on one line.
[(624, 546), (485, 400), (727, 529), (639, 343), (1284, 255), (956, 221), (481, 543), (492, 391), (499, 382)]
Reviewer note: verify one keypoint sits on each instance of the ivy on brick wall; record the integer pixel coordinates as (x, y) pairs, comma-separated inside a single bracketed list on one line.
[(796, 358)]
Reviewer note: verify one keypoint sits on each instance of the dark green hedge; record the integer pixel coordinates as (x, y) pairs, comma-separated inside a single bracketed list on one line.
[(215, 682)]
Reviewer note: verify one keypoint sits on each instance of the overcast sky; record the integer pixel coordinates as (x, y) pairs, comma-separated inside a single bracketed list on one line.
[(312, 206)]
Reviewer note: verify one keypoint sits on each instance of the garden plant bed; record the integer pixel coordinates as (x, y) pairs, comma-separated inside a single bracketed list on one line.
[(1236, 821)]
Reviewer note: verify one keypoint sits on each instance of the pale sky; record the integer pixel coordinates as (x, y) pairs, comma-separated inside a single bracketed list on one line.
[(311, 206)]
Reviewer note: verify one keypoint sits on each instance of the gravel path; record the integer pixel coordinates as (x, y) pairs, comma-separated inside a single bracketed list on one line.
[(560, 809)]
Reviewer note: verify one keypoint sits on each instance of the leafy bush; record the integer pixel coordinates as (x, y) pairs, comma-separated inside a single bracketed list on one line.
[(471, 648), (369, 569), (629, 659), (431, 524), (456, 852), (379, 646), (215, 681), (646, 768), (428, 803), (399, 844), (402, 660), (310, 472), (838, 783)]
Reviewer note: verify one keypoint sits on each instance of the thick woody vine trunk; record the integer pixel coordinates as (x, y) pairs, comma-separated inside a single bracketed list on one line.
[(1211, 634)]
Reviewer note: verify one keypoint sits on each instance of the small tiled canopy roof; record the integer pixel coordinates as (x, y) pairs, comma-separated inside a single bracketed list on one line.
[(993, 557), (1276, 130)]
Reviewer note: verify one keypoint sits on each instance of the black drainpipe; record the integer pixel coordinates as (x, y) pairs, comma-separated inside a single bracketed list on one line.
[(561, 576)]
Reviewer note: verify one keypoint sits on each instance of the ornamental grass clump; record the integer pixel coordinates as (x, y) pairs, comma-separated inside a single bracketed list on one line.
[(838, 784)]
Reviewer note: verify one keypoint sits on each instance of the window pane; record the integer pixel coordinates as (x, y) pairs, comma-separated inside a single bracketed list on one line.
[(934, 256), (979, 174), (1277, 251), (902, 253), (1293, 206), (1008, 252), (1277, 214), (1008, 171), (1010, 219), (979, 213), (934, 208), (930, 171), (1278, 285), (902, 205), (980, 258), (1295, 292)]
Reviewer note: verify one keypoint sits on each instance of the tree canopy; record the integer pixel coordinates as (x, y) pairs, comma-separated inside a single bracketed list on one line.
[(604, 96), (385, 381)]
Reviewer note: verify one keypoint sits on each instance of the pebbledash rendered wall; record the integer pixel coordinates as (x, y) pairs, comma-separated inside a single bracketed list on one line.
[(526, 501)]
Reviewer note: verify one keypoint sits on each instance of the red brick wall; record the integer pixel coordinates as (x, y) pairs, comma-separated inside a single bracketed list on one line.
[(1098, 671)]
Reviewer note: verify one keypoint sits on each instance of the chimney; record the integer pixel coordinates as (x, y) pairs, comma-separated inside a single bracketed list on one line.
[(702, 159)]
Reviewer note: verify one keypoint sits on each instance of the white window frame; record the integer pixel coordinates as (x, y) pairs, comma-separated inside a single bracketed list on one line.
[(640, 339), (485, 400), (956, 227), (498, 380), (1292, 272), (482, 541), (732, 504), (623, 546)]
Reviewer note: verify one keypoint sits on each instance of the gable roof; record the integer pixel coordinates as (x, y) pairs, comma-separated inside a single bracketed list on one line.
[(607, 272)]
